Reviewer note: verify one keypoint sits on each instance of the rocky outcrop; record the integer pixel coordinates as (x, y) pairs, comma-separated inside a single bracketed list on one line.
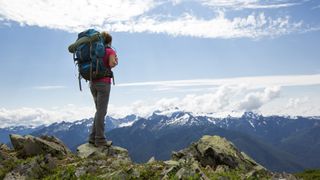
[(27, 146), (216, 153), (212, 157)]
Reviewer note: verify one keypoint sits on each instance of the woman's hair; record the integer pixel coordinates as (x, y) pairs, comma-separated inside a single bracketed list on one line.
[(107, 37)]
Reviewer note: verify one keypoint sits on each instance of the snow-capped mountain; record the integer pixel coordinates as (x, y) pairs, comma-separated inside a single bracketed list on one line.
[(160, 120), (248, 122), (279, 138), (79, 128)]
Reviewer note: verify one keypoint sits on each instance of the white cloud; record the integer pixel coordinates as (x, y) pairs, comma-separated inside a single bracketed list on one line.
[(316, 7), (295, 106), (137, 16), (248, 4), (49, 87), (226, 99), (296, 102), (72, 15), (251, 26), (255, 82), (255, 100), (39, 116), (220, 102)]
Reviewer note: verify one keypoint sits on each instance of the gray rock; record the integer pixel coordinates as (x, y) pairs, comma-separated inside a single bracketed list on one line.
[(17, 141), (118, 152), (4, 152), (283, 175), (215, 151), (135, 174), (80, 171), (28, 145), (172, 163), (119, 175), (14, 176), (221, 169), (86, 150), (171, 171), (89, 151), (184, 173), (4, 147), (151, 160)]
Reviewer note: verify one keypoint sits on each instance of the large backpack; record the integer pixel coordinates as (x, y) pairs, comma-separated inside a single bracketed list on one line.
[(88, 52)]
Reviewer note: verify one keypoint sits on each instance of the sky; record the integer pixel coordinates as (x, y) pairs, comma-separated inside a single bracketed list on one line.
[(222, 57)]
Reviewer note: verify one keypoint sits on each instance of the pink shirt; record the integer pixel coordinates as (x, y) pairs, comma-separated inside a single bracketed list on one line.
[(109, 52)]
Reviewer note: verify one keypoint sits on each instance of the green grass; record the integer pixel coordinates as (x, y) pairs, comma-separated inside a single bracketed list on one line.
[(63, 173), (9, 164), (309, 174)]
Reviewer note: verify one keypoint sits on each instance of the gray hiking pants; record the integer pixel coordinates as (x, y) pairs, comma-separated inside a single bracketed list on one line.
[(100, 92)]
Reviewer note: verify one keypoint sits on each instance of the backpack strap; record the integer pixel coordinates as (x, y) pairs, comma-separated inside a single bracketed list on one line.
[(79, 77), (91, 61), (74, 56), (98, 59)]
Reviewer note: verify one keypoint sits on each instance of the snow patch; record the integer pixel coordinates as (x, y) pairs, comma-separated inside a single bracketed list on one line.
[(179, 121), (127, 124), (251, 124)]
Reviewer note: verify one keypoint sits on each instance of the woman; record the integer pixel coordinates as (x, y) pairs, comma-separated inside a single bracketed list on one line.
[(100, 90)]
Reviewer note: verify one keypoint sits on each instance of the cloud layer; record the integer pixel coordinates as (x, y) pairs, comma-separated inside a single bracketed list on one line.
[(145, 16), (38, 116), (52, 87), (249, 4), (223, 101), (220, 97), (253, 82)]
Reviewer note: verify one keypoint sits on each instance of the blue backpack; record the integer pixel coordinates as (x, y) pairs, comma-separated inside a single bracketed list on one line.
[(88, 52)]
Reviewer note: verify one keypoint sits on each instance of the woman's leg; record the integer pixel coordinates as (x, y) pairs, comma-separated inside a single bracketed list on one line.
[(102, 100), (92, 135)]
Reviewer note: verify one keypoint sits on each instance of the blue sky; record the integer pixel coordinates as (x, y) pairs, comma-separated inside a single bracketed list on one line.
[(207, 56)]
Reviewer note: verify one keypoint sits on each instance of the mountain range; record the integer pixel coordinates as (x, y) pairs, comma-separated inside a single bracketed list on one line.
[(280, 143)]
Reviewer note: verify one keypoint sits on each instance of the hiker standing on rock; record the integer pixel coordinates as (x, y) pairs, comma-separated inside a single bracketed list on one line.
[(95, 58), (100, 90)]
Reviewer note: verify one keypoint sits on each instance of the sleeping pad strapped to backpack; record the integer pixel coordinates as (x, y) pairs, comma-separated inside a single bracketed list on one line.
[(88, 52)]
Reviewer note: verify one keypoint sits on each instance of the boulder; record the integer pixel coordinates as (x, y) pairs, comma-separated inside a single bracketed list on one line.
[(151, 160), (87, 151), (27, 146), (172, 163), (216, 152)]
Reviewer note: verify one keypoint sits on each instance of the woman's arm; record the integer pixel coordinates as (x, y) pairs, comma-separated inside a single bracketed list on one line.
[(113, 60)]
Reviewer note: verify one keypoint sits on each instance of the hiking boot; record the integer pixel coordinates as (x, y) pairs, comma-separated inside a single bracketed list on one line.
[(91, 142), (104, 144)]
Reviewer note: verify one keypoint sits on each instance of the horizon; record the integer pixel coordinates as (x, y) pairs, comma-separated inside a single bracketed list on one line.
[(208, 56), (161, 113)]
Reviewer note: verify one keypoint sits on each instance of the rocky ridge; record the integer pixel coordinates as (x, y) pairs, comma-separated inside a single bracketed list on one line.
[(46, 157)]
